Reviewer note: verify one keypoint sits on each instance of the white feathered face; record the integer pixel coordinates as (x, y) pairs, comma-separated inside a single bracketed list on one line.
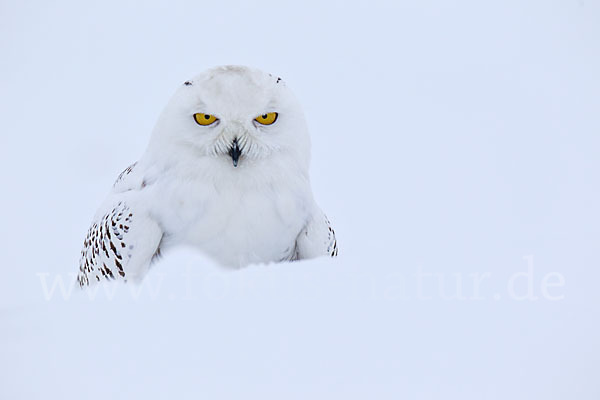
[(236, 114)]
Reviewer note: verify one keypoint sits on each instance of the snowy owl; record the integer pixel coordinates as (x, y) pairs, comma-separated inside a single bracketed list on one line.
[(226, 171)]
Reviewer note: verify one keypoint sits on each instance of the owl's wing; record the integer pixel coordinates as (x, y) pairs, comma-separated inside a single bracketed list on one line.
[(122, 240), (317, 238)]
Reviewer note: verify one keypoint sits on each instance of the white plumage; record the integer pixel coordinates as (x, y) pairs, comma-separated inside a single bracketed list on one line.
[(236, 189)]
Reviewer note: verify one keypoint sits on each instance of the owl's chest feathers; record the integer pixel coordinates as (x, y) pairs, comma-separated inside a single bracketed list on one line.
[(238, 220)]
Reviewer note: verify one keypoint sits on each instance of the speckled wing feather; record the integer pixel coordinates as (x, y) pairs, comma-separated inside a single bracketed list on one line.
[(317, 238), (123, 238)]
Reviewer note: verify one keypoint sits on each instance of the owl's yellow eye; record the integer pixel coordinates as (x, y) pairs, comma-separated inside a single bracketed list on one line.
[(204, 119), (266, 119)]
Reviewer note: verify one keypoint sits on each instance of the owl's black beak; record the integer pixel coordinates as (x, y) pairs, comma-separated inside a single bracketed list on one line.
[(235, 152)]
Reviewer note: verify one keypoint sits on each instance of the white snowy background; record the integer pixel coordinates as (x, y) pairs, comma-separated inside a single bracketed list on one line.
[(455, 149)]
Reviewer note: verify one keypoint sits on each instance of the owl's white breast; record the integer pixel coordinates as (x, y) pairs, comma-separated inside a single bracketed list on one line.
[(235, 215)]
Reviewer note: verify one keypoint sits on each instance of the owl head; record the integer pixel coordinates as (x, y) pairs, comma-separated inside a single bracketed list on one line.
[(234, 116)]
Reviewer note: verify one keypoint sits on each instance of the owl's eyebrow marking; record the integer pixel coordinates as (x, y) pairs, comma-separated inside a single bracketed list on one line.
[(187, 83)]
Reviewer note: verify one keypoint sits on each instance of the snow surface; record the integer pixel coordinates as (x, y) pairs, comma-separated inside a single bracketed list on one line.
[(455, 150)]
